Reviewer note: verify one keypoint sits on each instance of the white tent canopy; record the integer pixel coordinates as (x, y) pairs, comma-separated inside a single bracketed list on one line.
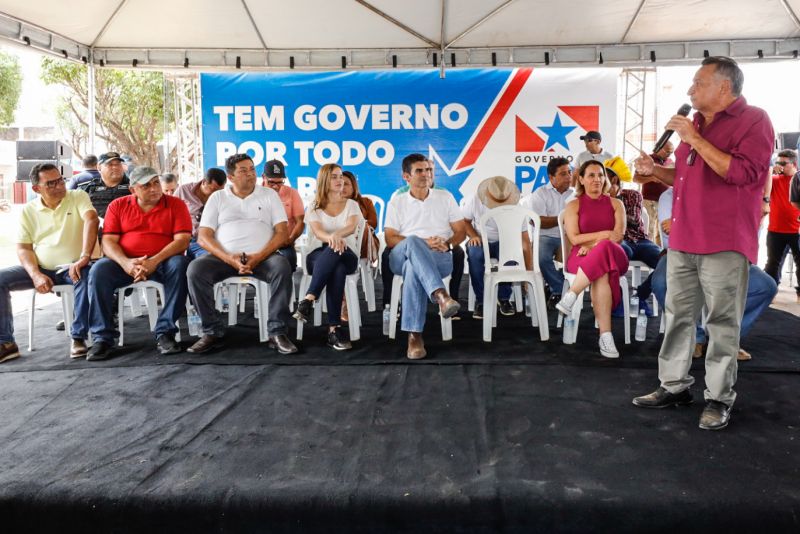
[(330, 34)]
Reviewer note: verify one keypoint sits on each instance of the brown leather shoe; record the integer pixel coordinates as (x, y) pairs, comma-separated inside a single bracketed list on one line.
[(416, 346), (699, 350), (447, 306), (282, 344), (743, 355), (78, 349), (205, 344)]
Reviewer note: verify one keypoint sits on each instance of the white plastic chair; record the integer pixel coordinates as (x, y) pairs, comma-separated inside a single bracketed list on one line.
[(397, 291), (152, 292), (569, 279), (509, 220), (237, 286), (350, 288), (67, 294)]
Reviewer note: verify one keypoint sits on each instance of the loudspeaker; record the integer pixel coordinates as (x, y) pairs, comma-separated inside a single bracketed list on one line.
[(789, 140), (43, 150), (24, 167)]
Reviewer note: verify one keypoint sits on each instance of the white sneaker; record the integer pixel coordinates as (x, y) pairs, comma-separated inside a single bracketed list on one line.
[(565, 304), (607, 347)]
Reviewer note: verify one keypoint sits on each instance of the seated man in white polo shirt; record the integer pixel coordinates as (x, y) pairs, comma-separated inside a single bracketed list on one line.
[(548, 201), (421, 226), (242, 228)]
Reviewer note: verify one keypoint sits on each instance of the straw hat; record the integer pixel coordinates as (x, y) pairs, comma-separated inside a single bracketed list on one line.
[(498, 191)]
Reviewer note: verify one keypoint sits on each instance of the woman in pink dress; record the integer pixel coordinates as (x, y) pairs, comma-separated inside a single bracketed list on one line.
[(594, 224)]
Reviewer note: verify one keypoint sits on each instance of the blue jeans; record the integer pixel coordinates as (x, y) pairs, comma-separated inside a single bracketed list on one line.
[(16, 278), (291, 256), (547, 249), (643, 250), (423, 270), (329, 271), (476, 260), (195, 250), (761, 289), (106, 276)]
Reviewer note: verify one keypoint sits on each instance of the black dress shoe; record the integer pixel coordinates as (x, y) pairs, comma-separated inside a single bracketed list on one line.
[(100, 350), (304, 311), (205, 344), (715, 415), (661, 398), (282, 344)]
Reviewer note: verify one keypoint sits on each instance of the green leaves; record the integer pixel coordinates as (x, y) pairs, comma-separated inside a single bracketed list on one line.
[(10, 87)]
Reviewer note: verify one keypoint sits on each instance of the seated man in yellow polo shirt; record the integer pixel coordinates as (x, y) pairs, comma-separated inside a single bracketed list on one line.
[(57, 233)]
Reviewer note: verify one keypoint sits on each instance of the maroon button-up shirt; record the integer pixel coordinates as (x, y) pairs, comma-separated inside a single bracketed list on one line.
[(714, 214)]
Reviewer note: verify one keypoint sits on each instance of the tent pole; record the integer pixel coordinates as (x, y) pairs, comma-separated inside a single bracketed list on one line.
[(92, 97)]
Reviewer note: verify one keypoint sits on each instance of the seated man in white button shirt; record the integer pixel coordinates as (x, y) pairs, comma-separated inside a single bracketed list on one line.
[(421, 226), (548, 201), (242, 228)]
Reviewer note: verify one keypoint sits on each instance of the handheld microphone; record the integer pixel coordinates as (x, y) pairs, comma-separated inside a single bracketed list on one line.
[(683, 112)]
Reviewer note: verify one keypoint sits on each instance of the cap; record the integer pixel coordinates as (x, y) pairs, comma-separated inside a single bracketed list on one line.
[(108, 156), (274, 169), (142, 175), (592, 134)]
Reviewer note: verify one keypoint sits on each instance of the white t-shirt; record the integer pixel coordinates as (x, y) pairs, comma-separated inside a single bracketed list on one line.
[(586, 156), (473, 209), (331, 224), (243, 224), (423, 218), (548, 202)]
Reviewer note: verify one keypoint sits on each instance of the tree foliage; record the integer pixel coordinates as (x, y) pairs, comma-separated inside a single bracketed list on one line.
[(129, 107), (10, 87)]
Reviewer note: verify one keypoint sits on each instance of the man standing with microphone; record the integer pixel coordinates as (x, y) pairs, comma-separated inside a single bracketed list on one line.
[(720, 169)]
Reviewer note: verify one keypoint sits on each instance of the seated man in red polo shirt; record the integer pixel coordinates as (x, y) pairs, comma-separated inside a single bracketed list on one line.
[(144, 237)]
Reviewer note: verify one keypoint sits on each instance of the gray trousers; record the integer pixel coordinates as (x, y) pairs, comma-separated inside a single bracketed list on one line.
[(720, 282), (207, 270)]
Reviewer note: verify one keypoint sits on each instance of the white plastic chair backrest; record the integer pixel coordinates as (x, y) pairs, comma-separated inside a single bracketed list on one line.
[(645, 219), (566, 245), (380, 206), (509, 221)]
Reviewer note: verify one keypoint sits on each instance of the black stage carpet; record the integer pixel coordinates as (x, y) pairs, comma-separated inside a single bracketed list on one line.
[(516, 435)]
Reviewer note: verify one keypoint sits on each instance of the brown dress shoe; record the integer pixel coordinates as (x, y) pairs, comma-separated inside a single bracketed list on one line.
[(205, 344), (743, 355), (78, 349), (447, 306), (416, 346), (282, 344), (699, 350)]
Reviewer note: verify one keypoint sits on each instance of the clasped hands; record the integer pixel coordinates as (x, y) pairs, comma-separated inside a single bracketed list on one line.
[(437, 243), (140, 268)]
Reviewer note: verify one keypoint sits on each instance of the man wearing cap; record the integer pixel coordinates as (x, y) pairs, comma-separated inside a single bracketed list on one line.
[(57, 233), (492, 192), (274, 177), (635, 242), (594, 151), (195, 195), (144, 237), (548, 201), (242, 228), (111, 184), (421, 227)]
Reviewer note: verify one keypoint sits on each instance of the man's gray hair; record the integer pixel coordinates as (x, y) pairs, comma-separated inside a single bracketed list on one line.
[(728, 68)]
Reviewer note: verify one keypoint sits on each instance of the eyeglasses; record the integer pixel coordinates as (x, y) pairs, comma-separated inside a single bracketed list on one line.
[(52, 184), (783, 163), (276, 182)]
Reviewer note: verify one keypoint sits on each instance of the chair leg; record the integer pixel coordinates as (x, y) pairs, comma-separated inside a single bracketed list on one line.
[(518, 296), (541, 309), (471, 299), (626, 307), (488, 307), (30, 320), (397, 286), (233, 304), (121, 315), (152, 305), (351, 298), (318, 305)]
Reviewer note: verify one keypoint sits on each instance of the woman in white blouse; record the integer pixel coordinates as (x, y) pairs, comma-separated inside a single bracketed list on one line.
[(332, 220)]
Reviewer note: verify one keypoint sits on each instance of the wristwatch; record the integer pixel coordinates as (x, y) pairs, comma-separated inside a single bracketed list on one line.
[(765, 199)]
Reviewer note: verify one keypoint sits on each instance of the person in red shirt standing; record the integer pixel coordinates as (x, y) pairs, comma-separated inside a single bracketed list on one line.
[(144, 237), (720, 170), (784, 225)]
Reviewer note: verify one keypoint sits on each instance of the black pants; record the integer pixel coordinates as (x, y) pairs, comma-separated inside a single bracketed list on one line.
[(455, 278), (776, 252)]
